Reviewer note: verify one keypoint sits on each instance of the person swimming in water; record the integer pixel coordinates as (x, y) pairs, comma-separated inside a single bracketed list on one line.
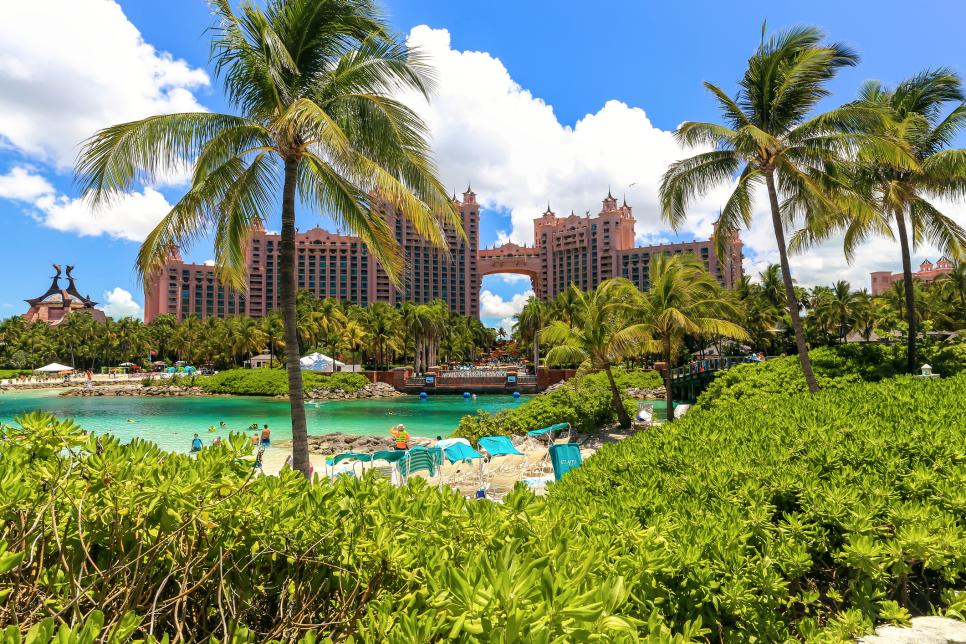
[(195, 444), (222, 424)]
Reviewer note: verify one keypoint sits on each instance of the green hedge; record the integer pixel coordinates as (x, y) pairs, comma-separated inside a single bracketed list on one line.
[(586, 404), (13, 373), (761, 521), (835, 367), (274, 382), (770, 518)]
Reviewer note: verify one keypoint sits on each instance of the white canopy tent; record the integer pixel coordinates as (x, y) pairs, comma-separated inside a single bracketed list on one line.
[(320, 362), (54, 367)]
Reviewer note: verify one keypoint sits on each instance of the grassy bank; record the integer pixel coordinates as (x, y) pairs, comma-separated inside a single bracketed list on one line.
[(585, 403)]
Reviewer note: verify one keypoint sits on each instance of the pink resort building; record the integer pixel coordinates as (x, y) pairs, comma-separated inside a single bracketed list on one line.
[(928, 272), (567, 250), (57, 303)]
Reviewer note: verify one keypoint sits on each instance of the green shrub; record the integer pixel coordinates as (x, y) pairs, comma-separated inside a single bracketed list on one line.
[(13, 373), (274, 382), (585, 403), (770, 517), (782, 517), (835, 367)]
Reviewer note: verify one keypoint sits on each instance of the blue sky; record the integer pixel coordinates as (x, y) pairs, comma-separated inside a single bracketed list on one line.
[(539, 101)]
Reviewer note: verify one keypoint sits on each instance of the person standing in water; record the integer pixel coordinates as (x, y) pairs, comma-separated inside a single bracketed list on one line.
[(266, 436)]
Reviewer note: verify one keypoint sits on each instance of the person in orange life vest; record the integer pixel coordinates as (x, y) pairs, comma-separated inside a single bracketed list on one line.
[(400, 436)]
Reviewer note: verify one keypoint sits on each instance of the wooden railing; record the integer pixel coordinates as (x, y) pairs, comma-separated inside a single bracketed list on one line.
[(720, 363)]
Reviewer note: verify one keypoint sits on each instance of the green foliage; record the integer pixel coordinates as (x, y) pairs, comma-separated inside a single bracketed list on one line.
[(772, 516), (773, 519), (835, 367), (13, 373), (274, 382), (586, 403)]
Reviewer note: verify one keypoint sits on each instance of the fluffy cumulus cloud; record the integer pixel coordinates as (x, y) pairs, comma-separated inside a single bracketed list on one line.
[(57, 90), (22, 184), (494, 306), (488, 129), (131, 216), (91, 68), (119, 303)]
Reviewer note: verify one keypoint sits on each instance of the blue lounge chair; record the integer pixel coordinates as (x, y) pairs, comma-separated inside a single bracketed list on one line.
[(428, 459), (559, 427), (498, 446), (349, 456), (460, 452), (390, 455), (564, 458)]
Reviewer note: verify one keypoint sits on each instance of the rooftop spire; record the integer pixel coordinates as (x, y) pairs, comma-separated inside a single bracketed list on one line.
[(609, 195)]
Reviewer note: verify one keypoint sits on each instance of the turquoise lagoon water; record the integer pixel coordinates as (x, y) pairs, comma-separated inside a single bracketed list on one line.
[(171, 422)]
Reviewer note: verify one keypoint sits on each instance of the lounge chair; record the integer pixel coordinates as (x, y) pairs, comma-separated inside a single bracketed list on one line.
[(427, 459), (565, 458)]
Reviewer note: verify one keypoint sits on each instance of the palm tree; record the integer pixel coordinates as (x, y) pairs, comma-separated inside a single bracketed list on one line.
[(313, 84), (247, 337), (769, 140), (353, 337), (599, 333), (917, 116), (529, 322), (274, 331), (683, 300), (566, 305), (952, 286), (838, 307)]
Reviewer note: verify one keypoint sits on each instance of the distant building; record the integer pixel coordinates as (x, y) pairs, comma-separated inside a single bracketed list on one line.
[(567, 250), (588, 250), (928, 272), (57, 303)]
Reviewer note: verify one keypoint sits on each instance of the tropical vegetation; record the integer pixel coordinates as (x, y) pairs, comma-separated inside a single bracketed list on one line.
[(731, 527), (903, 199), (772, 139), (315, 86), (374, 336)]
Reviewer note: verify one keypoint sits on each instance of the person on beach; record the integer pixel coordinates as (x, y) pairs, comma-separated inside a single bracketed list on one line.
[(266, 436), (195, 444), (216, 442), (255, 440), (400, 437)]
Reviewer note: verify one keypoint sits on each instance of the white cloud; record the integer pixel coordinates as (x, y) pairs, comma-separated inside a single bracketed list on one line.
[(120, 304), (131, 216), (22, 184), (506, 324), (91, 69), (494, 306), (209, 262), (488, 129)]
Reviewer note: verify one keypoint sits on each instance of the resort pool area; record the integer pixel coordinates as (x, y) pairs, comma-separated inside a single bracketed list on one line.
[(171, 422)]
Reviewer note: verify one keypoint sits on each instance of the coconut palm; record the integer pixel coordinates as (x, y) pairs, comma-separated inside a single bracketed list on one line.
[(599, 333), (683, 300), (900, 197), (274, 332), (769, 140), (952, 286), (529, 322), (313, 85), (353, 335)]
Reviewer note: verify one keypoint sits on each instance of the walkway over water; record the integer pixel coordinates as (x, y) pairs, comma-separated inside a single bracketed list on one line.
[(689, 381)]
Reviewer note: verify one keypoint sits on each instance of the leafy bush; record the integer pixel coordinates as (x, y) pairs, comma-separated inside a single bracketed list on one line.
[(13, 373), (775, 518), (835, 366), (274, 382), (769, 518), (585, 403)]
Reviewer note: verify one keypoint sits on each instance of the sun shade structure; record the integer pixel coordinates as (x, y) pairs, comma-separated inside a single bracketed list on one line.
[(54, 367), (498, 446), (320, 362)]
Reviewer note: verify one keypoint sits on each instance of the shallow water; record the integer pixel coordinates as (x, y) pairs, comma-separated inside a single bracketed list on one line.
[(171, 422)]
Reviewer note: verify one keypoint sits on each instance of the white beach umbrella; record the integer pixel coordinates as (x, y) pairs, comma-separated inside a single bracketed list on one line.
[(54, 367)]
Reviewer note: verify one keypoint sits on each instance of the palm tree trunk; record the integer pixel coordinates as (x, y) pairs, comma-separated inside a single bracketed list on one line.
[(536, 351), (668, 394), (622, 417), (789, 286), (300, 438), (910, 293)]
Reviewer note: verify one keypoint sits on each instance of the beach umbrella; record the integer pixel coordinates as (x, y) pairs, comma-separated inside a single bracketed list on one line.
[(54, 367)]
